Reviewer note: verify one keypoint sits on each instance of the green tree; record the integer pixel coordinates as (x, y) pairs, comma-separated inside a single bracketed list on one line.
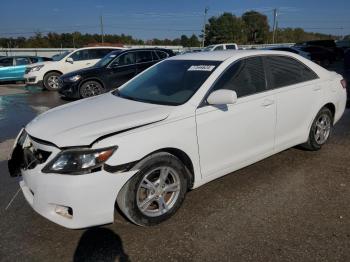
[(256, 26), (225, 28)]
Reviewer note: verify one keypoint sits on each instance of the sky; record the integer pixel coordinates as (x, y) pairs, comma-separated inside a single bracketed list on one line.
[(162, 18)]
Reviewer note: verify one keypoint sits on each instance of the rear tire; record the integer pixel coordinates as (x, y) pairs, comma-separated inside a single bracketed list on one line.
[(320, 130), (51, 81), (91, 88), (156, 192)]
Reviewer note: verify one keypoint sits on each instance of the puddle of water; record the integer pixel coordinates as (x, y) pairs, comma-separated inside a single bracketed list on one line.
[(14, 114)]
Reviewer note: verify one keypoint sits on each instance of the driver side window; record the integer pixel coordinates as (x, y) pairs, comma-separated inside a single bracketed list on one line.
[(125, 59), (245, 77), (80, 55)]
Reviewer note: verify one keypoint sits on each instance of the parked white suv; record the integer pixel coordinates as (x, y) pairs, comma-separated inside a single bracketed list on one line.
[(46, 74), (178, 125), (220, 47)]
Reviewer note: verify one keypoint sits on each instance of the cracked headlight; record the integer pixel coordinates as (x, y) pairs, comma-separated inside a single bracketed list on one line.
[(79, 161)]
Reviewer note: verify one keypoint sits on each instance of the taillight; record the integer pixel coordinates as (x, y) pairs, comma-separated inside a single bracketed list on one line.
[(343, 83)]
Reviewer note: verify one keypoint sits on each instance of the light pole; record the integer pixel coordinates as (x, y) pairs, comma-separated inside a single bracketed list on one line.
[(204, 22)]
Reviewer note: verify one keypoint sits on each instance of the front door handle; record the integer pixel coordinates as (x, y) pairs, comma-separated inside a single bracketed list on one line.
[(267, 102), (316, 88)]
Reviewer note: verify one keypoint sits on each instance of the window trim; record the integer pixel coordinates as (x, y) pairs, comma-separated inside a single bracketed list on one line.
[(14, 62), (204, 102), (269, 73), (123, 53)]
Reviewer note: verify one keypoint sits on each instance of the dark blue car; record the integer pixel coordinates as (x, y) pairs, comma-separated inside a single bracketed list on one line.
[(12, 68)]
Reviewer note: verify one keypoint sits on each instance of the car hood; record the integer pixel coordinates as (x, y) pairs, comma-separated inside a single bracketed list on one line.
[(41, 63), (81, 123)]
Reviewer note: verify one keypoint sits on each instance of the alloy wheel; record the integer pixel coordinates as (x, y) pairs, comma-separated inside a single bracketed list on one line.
[(158, 191)]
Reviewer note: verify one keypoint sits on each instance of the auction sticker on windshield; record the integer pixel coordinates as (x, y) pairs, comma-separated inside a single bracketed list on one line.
[(201, 68)]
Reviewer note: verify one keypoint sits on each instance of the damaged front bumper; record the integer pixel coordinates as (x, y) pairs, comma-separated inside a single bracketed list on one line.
[(72, 201)]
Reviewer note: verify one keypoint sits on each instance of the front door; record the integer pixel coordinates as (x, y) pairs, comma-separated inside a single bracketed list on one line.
[(122, 69), (233, 136)]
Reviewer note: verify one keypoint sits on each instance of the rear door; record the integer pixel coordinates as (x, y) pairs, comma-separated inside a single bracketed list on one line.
[(121, 70), (144, 59), (6, 67), (298, 94), (20, 67)]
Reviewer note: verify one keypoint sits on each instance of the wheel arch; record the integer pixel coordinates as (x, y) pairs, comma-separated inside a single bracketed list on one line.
[(92, 79), (331, 107), (52, 71)]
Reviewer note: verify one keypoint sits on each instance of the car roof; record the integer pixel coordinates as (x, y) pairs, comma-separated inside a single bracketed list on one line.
[(226, 54), (100, 47), (142, 49)]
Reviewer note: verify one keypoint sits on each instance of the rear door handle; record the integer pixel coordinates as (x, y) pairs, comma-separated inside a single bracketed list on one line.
[(267, 102), (316, 88)]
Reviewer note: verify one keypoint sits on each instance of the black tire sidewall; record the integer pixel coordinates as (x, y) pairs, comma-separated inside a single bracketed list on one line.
[(86, 83), (131, 193), (312, 141), (46, 78)]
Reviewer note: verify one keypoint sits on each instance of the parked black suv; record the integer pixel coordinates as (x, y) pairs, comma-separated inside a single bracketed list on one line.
[(328, 44), (110, 72)]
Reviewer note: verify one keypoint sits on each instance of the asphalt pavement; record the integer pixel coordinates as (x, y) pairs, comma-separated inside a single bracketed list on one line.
[(294, 206)]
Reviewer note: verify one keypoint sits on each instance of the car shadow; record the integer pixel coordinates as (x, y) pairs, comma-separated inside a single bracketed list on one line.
[(100, 244)]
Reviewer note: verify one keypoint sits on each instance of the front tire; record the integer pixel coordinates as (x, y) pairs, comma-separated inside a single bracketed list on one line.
[(156, 192), (91, 88), (320, 130), (51, 81)]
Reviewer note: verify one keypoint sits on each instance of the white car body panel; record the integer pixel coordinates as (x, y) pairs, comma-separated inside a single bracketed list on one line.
[(262, 124), (62, 66)]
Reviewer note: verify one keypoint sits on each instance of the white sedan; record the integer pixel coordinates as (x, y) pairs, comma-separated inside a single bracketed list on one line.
[(178, 125)]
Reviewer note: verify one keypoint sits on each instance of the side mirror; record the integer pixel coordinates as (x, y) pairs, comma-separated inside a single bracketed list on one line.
[(70, 60), (222, 97)]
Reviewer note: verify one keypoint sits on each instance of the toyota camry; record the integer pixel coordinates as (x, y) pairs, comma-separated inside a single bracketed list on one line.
[(178, 125)]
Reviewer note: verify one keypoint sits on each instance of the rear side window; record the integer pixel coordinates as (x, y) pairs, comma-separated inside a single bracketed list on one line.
[(161, 54), (245, 77), (6, 62), (22, 61), (99, 53), (285, 71), (144, 56), (231, 47)]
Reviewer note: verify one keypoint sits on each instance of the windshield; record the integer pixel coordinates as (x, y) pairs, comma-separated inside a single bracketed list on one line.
[(108, 58), (171, 82), (208, 48), (59, 57)]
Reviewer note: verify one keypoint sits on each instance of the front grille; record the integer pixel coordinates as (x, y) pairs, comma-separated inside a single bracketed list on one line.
[(26, 157)]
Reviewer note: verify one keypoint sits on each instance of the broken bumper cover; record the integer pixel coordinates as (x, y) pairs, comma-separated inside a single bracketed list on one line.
[(72, 201), (90, 198)]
